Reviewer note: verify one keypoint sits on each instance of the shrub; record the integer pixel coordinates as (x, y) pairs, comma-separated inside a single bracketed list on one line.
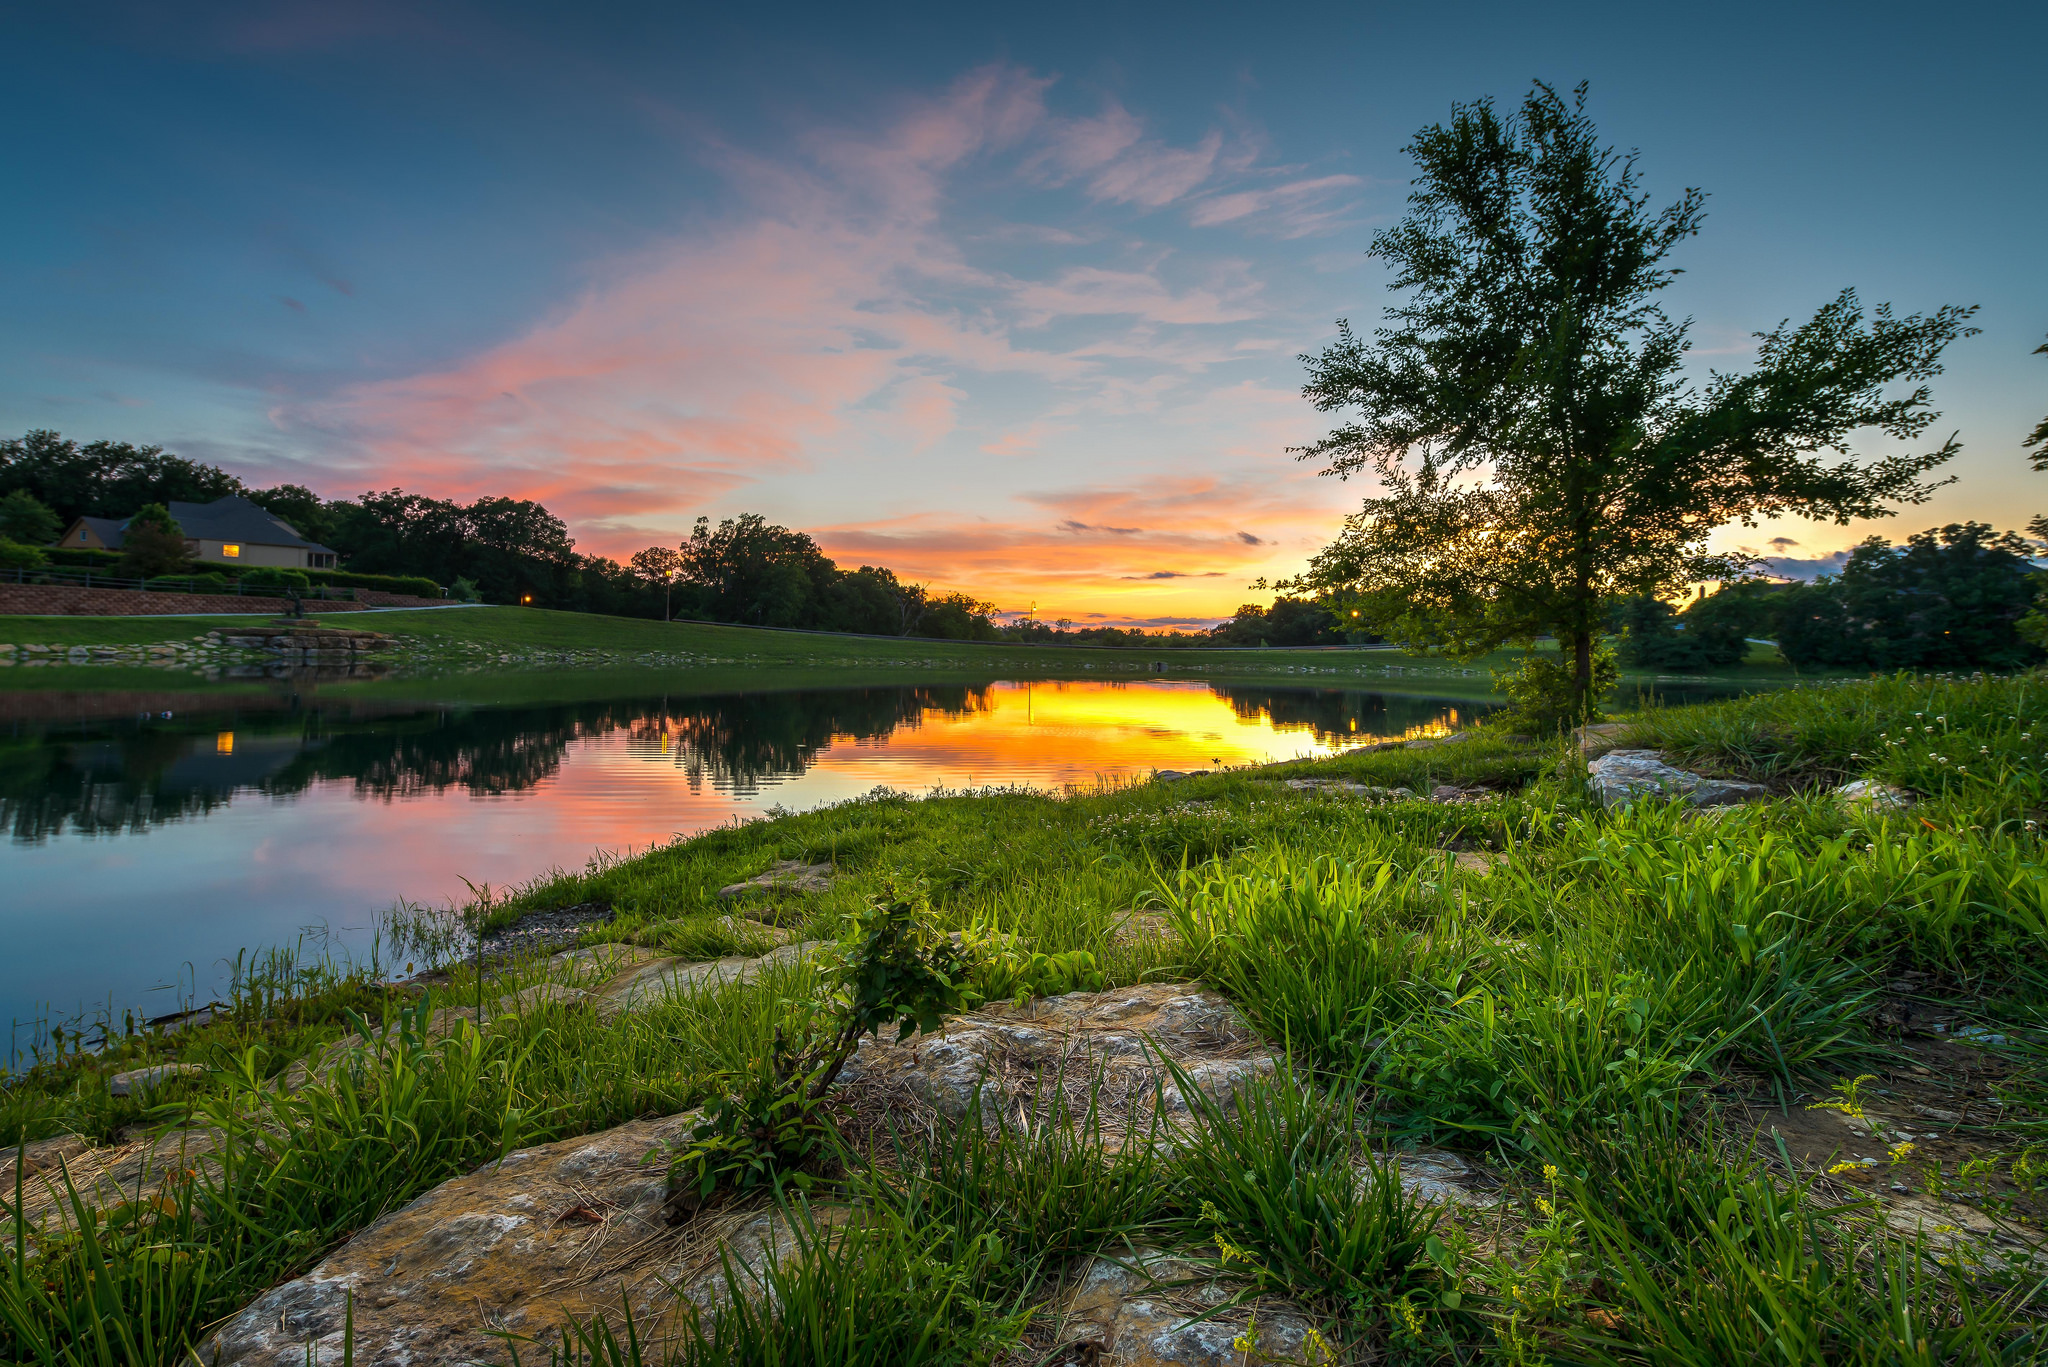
[(15, 556), (1541, 697), (269, 576), (153, 543)]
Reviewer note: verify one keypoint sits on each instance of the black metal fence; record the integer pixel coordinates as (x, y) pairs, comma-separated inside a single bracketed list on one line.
[(173, 583)]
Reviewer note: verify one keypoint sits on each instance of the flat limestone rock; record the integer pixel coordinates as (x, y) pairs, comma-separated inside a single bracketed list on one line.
[(137, 1081), (1600, 738), (784, 878), (656, 980), (1338, 787), (41, 1156), (106, 1176), (1005, 1053), (573, 1228), (1877, 796), (1621, 776), (1143, 1309)]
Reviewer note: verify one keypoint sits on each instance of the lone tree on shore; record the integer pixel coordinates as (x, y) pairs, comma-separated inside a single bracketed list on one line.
[(661, 565), (1538, 450)]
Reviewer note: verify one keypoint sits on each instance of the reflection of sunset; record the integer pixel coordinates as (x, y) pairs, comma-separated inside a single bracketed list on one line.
[(499, 796)]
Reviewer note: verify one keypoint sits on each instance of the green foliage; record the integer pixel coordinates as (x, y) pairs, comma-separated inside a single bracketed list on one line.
[(890, 971), (464, 591), (15, 556), (195, 583), (1654, 637), (1009, 970), (24, 519), (1950, 598), (1276, 1177), (1525, 411), (1544, 694), (152, 543), (269, 576)]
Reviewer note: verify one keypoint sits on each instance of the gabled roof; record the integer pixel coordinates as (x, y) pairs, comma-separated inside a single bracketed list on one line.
[(107, 529), (235, 518)]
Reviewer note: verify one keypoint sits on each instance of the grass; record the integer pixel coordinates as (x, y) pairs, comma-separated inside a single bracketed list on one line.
[(480, 636), (1609, 1009)]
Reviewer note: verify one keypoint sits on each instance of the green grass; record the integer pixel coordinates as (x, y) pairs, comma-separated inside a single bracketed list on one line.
[(533, 635), (1593, 1017)]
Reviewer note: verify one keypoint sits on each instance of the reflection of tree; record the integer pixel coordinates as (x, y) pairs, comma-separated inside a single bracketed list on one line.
[(1336, 716), (741, 740), (104, 777)]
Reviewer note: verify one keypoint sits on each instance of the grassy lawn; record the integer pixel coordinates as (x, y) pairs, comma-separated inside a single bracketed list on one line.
[(494, 637), (1628, 1018)]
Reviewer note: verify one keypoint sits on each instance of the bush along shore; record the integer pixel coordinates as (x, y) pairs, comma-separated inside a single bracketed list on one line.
[(1712, 1035)]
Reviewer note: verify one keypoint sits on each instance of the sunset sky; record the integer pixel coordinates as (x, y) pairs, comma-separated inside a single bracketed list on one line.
[(1008, 298)]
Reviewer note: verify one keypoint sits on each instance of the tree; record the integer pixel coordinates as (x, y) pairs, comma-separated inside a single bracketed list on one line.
[(658, 565), (305, 510), (1949, 598), (1289, 622), (1539, 452), (1656, 636), (105, 478), (153, 543), (24, 519)]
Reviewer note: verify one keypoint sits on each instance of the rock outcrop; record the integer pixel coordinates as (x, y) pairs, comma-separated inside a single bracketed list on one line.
[(1621, 776), (1874, 795), (784, 878)]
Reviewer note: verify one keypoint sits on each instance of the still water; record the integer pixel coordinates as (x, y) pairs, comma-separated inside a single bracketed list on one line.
[(149, 838)]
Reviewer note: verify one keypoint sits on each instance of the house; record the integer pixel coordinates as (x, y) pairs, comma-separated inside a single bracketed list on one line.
[(227, 531)]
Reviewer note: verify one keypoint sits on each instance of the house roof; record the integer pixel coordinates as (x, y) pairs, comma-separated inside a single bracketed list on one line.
[(233, 518), (107, 529)]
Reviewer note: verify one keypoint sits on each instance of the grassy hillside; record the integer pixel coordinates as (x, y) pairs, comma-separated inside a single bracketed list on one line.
[(497, 636), (1764, 1084)]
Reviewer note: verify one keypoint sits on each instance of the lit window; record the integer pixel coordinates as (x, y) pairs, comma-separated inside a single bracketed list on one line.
[(224, 743), (231, 550)]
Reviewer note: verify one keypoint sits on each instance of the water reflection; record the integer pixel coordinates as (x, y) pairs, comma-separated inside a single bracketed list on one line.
[(152, 831), (99, 776)]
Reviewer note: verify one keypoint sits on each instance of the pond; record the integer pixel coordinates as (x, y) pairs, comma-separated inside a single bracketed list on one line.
[(151, 836)]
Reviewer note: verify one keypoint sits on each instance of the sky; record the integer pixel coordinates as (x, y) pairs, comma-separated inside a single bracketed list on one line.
[(1008, 298)]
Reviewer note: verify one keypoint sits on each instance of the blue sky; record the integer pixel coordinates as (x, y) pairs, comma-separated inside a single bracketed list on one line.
[(1009, 301)]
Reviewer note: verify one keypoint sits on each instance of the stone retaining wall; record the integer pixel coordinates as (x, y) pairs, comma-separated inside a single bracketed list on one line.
[(76, 600)]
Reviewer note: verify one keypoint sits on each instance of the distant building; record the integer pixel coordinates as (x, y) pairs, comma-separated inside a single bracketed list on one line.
[(227, 531)]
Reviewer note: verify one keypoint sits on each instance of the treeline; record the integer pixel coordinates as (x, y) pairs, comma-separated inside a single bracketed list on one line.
[(1956, 597)]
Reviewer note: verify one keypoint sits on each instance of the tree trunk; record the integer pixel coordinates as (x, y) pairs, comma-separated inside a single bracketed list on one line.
[(1582, 672)]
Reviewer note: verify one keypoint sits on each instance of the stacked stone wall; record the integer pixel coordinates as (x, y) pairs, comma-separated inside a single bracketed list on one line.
[(76, 600)]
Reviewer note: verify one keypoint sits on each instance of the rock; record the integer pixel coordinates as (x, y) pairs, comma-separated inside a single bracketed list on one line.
[(1600, 738), (1477, 861), (1869, 792), (659, 979), (1346, 788), (102, 1177), (786, 877), (1005, 1052), (1139, 1311), (1431, 742), (41, 1156), (573, 1228), (1168, 775), (1442, 1177), (1620, 776), (136, 1081)]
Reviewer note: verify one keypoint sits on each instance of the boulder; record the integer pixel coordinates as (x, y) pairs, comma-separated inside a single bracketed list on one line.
[(41, 1156), (1339, 787), (573, 1228), (1144, 1310), (1621, 776), (137, 1081), (1005, 1053), (656, 980), (1600, 738), (1870, 793), (784, 878)]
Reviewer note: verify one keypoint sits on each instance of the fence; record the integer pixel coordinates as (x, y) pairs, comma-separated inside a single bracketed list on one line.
[(178, 583)]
